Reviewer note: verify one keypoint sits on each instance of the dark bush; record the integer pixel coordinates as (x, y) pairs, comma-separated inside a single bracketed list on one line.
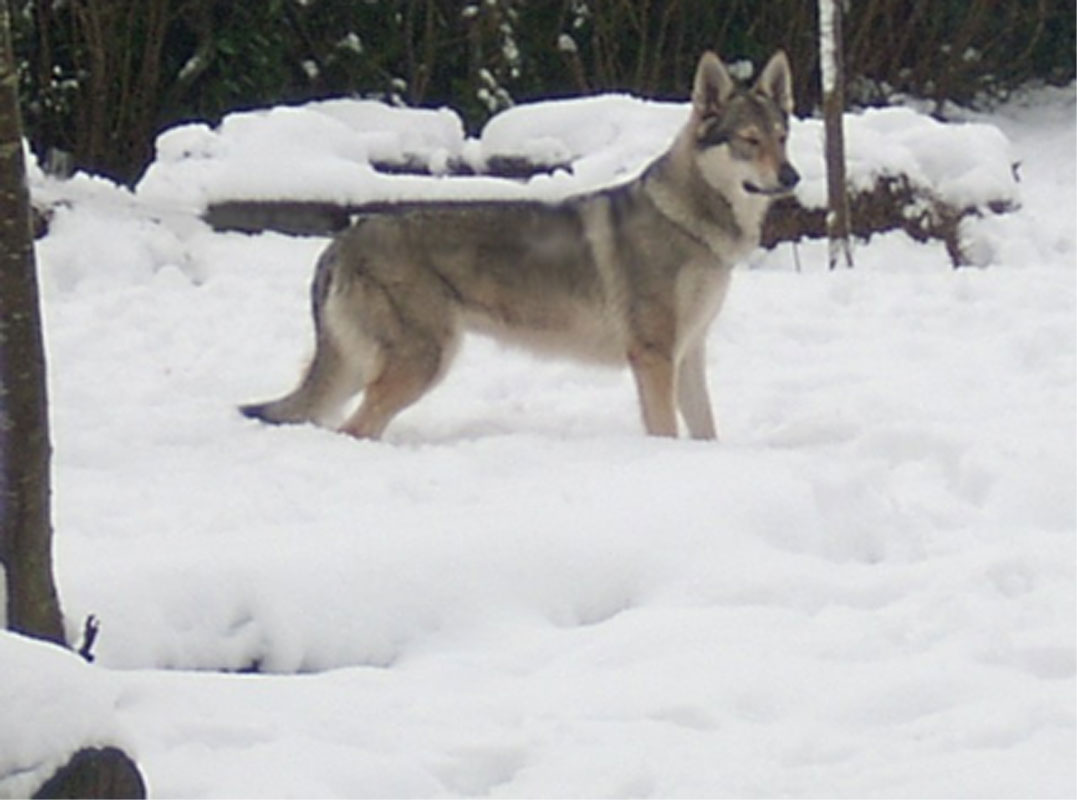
[(102, 77)]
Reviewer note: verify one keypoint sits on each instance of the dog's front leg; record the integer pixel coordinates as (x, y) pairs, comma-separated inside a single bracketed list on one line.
[(655, 376), (692, 394)]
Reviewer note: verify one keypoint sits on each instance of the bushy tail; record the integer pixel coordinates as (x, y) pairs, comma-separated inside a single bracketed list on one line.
[(329, 381), (274, 412), (331, 377)]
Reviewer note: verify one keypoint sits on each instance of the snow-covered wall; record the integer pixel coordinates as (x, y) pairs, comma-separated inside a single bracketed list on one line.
[(330, 150)]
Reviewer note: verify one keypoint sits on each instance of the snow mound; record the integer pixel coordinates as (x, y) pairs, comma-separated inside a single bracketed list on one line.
[(866, 589), (51, 704)]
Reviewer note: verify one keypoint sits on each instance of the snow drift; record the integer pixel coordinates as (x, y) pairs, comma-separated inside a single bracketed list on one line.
[(867, 589)]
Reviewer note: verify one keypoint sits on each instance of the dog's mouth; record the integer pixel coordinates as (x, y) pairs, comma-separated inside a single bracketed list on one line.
[(788, 178), (776, 191)]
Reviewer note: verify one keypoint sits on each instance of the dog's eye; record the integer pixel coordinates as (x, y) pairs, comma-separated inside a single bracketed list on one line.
[(751, 140)]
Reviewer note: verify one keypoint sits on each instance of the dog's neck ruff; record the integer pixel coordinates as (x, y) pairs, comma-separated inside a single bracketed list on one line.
[(720, 229), (713, 236)]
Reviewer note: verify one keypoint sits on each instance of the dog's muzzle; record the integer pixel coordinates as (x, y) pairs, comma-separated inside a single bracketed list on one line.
[(788, 178)]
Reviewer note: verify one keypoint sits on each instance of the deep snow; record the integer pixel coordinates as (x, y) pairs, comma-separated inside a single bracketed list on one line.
[(867, 589)]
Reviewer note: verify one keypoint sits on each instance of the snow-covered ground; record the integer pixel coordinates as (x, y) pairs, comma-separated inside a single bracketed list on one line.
[(866, 589)]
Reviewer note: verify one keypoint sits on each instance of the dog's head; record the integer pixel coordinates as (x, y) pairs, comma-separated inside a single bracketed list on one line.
[(740, 132)]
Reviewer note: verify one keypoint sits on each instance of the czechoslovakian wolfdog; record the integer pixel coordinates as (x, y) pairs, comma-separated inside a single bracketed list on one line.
[(634, 273)]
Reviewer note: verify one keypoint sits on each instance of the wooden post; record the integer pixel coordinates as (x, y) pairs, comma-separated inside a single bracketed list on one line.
[(832, 68)]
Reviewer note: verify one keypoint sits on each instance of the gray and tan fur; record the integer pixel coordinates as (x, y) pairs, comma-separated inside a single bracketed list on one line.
[(635, 273)]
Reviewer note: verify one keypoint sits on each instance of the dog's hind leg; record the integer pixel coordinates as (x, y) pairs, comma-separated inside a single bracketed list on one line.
[(409, 370)]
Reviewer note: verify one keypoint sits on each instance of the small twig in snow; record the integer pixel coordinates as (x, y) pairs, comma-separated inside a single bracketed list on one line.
[(89, 636)]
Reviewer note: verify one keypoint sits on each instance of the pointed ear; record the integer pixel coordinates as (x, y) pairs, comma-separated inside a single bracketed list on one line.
[(713, 86), (776, 82)]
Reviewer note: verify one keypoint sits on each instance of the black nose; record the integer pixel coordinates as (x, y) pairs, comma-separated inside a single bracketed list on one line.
[(787, 176)]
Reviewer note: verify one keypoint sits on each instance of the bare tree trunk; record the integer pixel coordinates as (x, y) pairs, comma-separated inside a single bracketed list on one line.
[(832, 69), (25, 528)]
